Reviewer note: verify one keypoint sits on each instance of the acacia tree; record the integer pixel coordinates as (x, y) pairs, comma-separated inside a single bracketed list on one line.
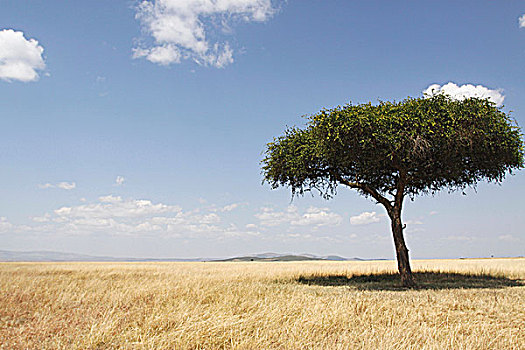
[(397, 149)]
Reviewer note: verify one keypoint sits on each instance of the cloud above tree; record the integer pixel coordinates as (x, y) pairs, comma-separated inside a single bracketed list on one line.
[(466, 91), (181, 29), (20, 58)]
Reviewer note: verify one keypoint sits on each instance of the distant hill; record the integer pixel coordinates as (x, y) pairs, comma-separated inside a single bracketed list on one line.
[(43, 256), (51, 256), (286, 257), (274, 258)]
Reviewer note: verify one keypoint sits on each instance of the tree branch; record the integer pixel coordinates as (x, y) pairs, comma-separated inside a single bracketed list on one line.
[(367, 189)]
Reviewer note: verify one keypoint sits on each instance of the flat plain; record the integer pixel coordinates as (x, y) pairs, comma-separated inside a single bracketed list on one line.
[(460, 304)]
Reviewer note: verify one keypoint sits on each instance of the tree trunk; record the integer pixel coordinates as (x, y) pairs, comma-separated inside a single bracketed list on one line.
[(403, 263)]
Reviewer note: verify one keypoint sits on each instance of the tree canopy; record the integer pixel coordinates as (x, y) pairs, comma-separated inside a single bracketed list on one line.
[(397, 149), (437, 142)]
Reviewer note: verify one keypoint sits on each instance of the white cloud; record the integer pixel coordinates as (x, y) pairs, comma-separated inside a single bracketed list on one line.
[(270, 217), (66, 185), (461, 238), (113, 215), (315, 217), (119, 180), (364, 218), (413, 226), (508, 238), (413, 222), (223, 209), (4, 224), (62, 185), (318, 217), (110, 199), (521, 21), (46, 185), (163, 55), (181, 28), (20, 59), (230, 207), (44, 218), (308, 237), (114, 207), (210, 218), (466, 91)]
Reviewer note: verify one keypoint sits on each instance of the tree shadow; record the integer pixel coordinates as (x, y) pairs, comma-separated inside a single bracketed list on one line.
[(424, 280)]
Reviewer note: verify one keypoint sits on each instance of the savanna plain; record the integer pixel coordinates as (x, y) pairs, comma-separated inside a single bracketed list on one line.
[(459, 304)]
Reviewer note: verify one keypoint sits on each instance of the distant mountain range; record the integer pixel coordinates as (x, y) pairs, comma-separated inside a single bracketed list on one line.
[(43, 256), (286, 257)]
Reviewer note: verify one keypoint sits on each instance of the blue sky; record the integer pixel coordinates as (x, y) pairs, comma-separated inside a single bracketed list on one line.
[(177, 99)]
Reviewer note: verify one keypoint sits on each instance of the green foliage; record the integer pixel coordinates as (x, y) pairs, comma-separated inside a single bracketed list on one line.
[(416, 146)]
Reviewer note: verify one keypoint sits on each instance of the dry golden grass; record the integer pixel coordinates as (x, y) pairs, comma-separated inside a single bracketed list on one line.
[(471, 304)]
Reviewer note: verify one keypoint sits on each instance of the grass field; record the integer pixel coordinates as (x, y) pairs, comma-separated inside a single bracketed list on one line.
[(461, 304)]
